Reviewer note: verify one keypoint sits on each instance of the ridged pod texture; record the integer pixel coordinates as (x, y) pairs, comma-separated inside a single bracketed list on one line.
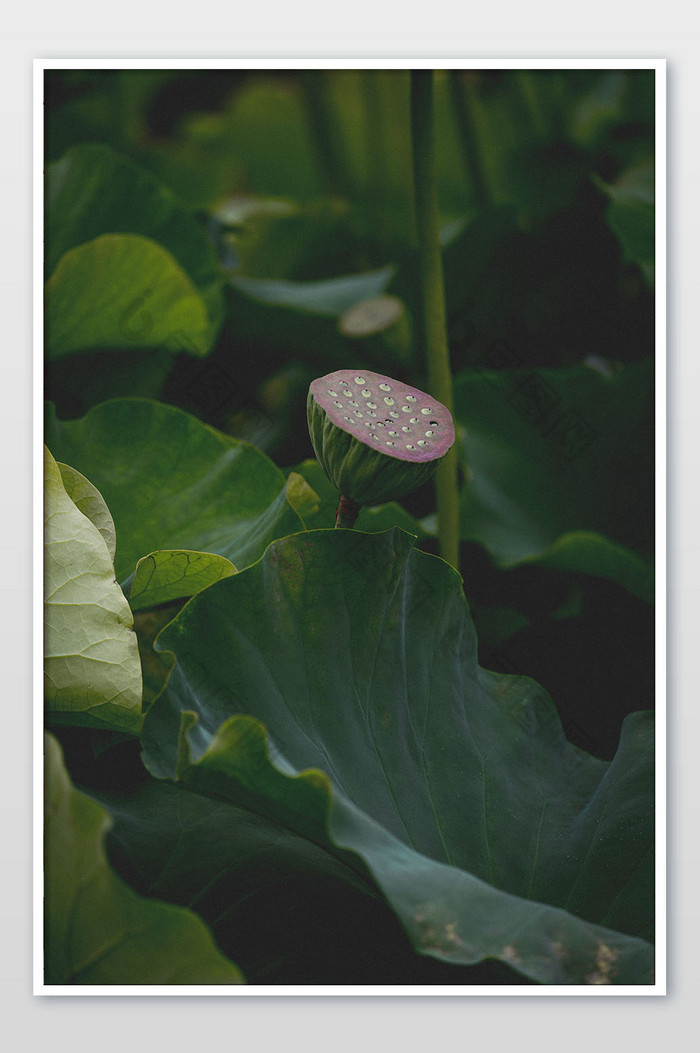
[(376, 438)]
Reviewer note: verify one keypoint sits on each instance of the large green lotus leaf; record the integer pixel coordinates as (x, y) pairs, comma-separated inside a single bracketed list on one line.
[(92, 673), (94, 190), (286, 909), (97, 929), (371, 519), (168, 575), (123, 292), (489, 834), (560, 469), (630, 215), (172, 482)]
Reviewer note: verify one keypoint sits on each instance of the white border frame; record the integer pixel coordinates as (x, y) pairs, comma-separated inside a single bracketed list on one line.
[(282, 62)]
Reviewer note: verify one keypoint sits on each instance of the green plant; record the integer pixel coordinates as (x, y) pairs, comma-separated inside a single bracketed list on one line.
[(278, 752)]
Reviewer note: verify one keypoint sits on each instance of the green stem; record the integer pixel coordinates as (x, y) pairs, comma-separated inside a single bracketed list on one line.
[(346, 513), (433, 300), (467, 136), (324, 131)]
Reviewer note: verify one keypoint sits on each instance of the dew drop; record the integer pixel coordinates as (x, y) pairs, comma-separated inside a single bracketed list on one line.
[(385, 387), (360, 380), (388, 401)]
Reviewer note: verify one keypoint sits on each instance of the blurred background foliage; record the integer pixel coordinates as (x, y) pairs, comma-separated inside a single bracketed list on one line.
[(215, 239)]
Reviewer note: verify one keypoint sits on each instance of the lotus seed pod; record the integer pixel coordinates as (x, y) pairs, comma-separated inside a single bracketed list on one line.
[(376, 438)]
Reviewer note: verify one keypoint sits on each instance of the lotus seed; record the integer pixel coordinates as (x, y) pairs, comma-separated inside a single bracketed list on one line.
[(370, 413), (406, 409), (359, 413), (410, 398), (388, 401), (337, 402), (430, 433), (390, 443), (360, 380), (372, 405), (405, 428), (425, 410), (393, 414), (353, 403), (366, 393), (384, 387), (409, 446), (333, 393), (414, 420), (422, 442), (395, 433)]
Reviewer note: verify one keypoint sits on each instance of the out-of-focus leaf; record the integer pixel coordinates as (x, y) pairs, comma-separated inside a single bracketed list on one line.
[(559, 469), (92, 674), (329, 298), (300, 319), (489, 834), (93, 190), (630, 215), (172, 482), (168, 575), (302, 497), (275, 238), (123, 292), (97, 929)]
